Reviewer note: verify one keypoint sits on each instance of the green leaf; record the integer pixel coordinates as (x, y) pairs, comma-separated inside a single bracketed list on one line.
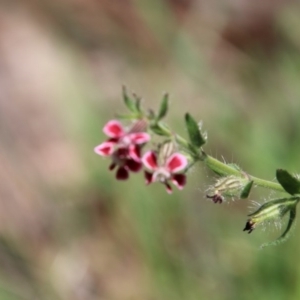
[(163, 107), (284, 236), (130, 103), (289, 182), (138, 104), (247, 189), (195, 135)]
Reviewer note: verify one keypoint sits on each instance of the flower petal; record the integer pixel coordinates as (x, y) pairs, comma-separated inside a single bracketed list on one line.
[(122, 174), (105, 149), (179, 180), (139, 137), (112, 166), (113, 129), (168, 188), (150, 160), (176, 162), (121, 153), (133, 165), (148, 177), (249, 226), (216, 198), (135, 153)]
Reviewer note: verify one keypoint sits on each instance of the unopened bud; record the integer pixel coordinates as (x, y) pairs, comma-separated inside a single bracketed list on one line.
[(271, 211), (230, 186)]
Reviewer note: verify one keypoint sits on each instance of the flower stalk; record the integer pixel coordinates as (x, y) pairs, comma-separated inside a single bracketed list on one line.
[(225, 170), (169, 160)]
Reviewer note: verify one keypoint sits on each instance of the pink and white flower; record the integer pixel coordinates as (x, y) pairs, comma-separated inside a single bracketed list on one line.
[(124, 146), (166, 171)]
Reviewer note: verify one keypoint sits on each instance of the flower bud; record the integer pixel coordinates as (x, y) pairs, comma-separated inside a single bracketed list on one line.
[(230, 186), (271, 211)]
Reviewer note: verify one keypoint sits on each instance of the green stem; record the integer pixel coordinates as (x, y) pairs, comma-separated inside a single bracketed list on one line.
[(224, 169), (182, 141), (218, 166), (168, 133), (268, 184)]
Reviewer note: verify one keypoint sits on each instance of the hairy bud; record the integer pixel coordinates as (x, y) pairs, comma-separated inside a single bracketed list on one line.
[(271, 211), (230, 186)]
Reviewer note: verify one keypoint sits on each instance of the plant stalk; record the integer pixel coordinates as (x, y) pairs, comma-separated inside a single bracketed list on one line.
[(224, 169)]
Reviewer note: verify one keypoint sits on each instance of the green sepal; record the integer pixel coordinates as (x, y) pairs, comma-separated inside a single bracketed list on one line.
[(163, 107), (284, 236), (246, 190), (289, 182), (195, 135), (131, 104)]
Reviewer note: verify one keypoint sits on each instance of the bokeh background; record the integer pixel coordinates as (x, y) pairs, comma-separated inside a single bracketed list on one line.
[(68, 229)]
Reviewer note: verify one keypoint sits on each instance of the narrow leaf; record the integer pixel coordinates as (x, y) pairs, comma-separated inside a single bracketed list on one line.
[(163, 107), (247, 189), (130, 103), (195, 135), (138, 104), (289, 182)]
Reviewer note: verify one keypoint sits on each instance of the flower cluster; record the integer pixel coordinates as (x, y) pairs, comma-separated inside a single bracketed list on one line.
[(124, 147)]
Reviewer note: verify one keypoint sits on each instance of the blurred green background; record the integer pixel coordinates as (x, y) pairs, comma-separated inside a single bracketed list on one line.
[(68, 229)]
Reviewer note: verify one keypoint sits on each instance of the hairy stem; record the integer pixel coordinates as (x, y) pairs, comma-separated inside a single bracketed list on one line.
[(218, 166), (224, 169)]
